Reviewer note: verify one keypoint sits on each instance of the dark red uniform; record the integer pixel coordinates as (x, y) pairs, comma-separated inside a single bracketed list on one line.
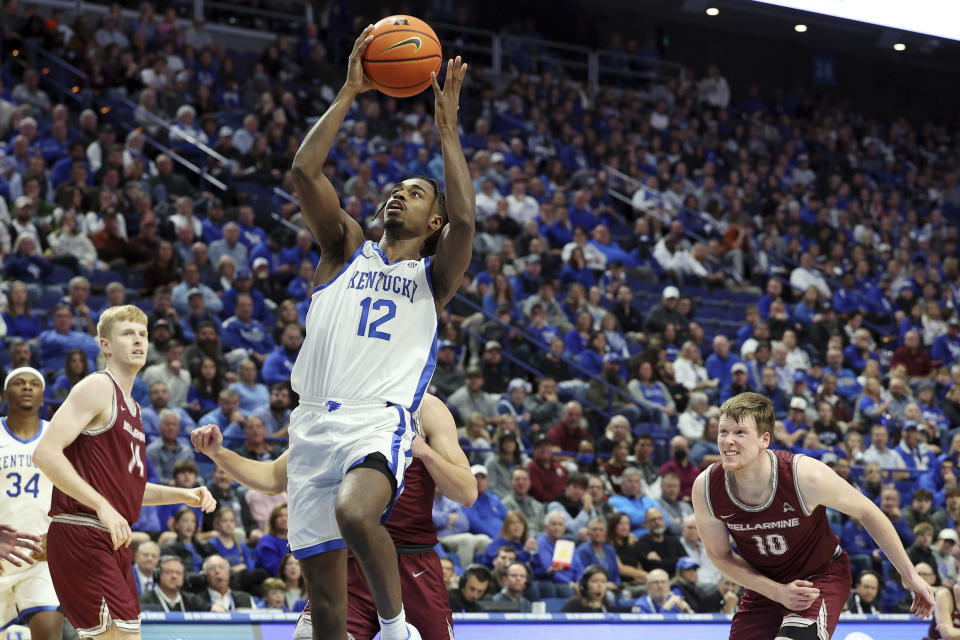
[(93, 581), (427, 605), (785, 541), (933, 633)]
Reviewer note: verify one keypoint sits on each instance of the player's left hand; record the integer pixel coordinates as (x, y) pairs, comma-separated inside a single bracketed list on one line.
[(419, 447), (448, 99), (200, 497), (923, 599)]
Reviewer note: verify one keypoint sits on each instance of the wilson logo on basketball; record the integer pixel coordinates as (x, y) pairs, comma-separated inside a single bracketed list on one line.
[(415, 41)]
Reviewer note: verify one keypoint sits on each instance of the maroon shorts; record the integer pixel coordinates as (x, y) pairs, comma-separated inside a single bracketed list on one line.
[(93, 581), (425, 599), (760, 618)]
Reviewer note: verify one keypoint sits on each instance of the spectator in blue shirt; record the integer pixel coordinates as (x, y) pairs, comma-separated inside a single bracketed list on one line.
[(487, 513), (21, 322), (273, 545), (55, 343), (453, 530), (719, 362), (633, 503), (847, 386), (279, 364), (551, 581), (243, 285), (659, 598), (596, 551), (946, 348), (302, 251), (301, 287), (243, 332), (250, 234), (228, 417)]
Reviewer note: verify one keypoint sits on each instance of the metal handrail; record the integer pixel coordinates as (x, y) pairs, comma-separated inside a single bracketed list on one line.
[(240, 9), (179, 133)]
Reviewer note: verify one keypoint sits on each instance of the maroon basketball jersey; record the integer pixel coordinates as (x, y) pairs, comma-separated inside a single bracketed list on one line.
[(411, 521), (782, 538), (111, 459)]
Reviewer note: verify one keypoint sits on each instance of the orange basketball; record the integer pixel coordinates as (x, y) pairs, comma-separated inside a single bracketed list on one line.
[(401, 56)]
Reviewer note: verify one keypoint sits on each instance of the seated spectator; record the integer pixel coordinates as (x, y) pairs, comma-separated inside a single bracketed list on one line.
[(769, 388), (164, 452), (145, 560), (252, 394), (890, 505), (671, 504), (184, 542), (230, 495), (167, 594), (453, 529), (915, 454), (551, 581), (25, 263), (272, 546), (946, 563), (592, 596), (691, 422), (245, 333), (920, 550), (472, 588), (720, 362), (705, 451), (516, 583), (487, 512), (652, 395), (226, 543), (160, 400), (679, 463), (20, 320), (913, 356), (658, 549), (255, 445), (865, 592), (515, 534), (206, 388), (295, 588), (659, 598), (56, 342), (632, 502), (471, 398), (172, 373), (690, 372), (513, 404), (879, 453), (722, 597), (596, 551), (218, 591), (686, 584), (946, 348), (569, 431), (578, 505), (74, 371), (279, 363), (547, 476)]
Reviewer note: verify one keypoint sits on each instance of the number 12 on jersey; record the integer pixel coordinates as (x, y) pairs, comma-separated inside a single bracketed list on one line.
[(372, 330)]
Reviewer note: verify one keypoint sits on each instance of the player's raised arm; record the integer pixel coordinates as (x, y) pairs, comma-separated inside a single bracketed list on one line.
[(455, 246), (267, 477), (819, 485), (86, 405), (333, 228), (443, 457), (162, 494), (796, 596)]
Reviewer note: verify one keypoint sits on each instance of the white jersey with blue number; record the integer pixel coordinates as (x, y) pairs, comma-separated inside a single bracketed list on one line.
[(24, 491), (371, 332)]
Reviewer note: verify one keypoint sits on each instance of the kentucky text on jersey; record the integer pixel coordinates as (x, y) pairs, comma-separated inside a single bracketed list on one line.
[(777, 524), (380, 281), (15, 460)]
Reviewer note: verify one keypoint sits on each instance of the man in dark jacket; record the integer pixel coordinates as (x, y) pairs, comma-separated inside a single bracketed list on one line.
[(472, 588), (664, 313), (167, 594), (218, 591)]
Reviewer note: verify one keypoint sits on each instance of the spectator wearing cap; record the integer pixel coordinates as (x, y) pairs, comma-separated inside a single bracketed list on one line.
[(945, 350), (739, 383), (191, 285), (512, 403), (792, 428), (448, 375), (547, 476), (496, 372), (243, 285), (720, 362), (487, 512), (229, 245), (471, 398), (915, 453), (913, 356), (943, 554), (686, 584), (245, 333), (569, 431)]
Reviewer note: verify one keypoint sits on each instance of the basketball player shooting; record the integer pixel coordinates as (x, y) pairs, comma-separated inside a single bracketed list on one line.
[(93, 453), (773, 505), (369, 352), (439, 464)]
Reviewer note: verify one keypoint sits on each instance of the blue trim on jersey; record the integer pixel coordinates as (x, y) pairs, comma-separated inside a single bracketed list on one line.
[(394, 460), (384, 257), (340, 273), (39, 433), (428, 272), (427, 374), (317, 549), (11, 623), (32, 610)]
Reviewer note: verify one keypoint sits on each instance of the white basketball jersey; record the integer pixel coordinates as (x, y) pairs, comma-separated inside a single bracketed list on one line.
[(24, 491), (371, 332)]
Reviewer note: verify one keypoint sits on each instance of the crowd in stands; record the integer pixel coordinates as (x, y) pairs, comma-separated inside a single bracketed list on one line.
[(642, 255)]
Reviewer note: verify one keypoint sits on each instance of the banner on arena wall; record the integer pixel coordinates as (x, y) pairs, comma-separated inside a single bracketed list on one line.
[(824, 70)]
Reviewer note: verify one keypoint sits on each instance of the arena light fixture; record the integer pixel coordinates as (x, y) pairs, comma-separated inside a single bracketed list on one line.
[(712, 11), (899, 47), (800, 28)]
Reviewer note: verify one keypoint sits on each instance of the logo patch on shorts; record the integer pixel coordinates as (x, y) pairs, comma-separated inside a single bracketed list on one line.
[(332, 406)]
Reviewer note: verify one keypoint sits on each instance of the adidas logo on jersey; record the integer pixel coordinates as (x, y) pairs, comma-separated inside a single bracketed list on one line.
[(787, 507)]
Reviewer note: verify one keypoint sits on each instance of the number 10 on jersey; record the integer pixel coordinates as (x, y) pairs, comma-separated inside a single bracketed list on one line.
[(372, 330)]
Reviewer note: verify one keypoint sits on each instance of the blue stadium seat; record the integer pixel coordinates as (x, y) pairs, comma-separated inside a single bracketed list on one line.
[(60, 274), (101, 278)]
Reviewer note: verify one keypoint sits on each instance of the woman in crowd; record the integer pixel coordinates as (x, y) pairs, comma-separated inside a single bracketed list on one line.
[(183, 540), (205, 390), (20, 320), (514, 533), (622, 541), (503, 461), (292, 576), (272, 546), (74, 370)]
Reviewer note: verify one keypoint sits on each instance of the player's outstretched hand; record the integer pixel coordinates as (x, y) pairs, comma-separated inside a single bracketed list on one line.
[(201, 497), (923, 598), (117, 525), (448, 98), (357, 81), (207, 439), (11, 543), (798, 595)]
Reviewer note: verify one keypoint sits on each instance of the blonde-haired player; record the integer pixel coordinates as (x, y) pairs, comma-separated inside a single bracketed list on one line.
[(93, 452), (27, 596)]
